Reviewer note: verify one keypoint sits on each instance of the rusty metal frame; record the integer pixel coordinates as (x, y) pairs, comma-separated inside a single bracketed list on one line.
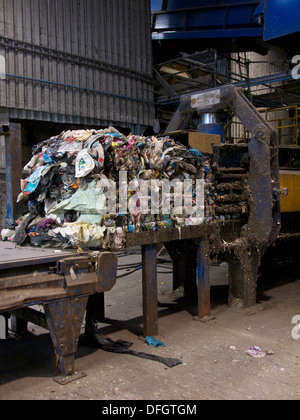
[(63, 290), (264, 221), (66, 290), (149, 280)]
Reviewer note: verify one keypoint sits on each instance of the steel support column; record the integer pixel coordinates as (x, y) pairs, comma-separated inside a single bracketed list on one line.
[(13, 152), (183, 255), (203, 277), (150, 309), (64, 321), (243, 271), (95, 312)]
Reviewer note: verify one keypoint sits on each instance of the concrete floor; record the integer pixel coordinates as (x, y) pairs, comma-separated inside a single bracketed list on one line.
[(214, 365)]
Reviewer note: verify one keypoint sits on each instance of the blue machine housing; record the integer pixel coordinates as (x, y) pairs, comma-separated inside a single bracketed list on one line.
[(211, 129), (209, 125), (199, 19), (282, 18), (206, 19)]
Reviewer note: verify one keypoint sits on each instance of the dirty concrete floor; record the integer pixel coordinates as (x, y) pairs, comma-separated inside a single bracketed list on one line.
[(214, 363)]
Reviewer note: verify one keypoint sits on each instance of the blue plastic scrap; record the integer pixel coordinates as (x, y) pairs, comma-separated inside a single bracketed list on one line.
[(151, 341), (196, 152)]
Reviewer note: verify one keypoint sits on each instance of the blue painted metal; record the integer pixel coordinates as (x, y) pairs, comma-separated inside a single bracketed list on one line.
[(203, 277), (179, 4), (207, 20), (211, 129), (282, 17), (260, 9), (156, 5), (196, 19), (209, 125), (210, 34)]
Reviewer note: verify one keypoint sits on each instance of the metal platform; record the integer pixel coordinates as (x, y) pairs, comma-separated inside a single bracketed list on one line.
[(12, 255)]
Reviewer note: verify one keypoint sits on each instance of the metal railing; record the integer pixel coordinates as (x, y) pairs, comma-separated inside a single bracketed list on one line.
[(286, 124)]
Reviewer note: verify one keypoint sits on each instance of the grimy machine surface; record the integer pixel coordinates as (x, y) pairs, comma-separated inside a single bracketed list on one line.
[(243, 173), (67, 284)]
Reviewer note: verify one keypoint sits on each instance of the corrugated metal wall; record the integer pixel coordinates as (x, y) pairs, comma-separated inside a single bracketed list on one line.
[(77, 61)]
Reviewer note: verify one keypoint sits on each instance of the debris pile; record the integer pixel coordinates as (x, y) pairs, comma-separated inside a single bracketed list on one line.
[(89, 188)]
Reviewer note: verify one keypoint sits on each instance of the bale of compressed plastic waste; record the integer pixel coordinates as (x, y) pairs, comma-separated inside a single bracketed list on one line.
[(89, 188)]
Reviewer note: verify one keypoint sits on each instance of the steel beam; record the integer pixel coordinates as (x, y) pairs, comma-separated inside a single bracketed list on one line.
[(13, 153), (217, 34), (149, 272)]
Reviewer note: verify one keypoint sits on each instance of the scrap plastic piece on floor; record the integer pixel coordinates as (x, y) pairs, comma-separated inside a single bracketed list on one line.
[(151, 341), (256, 352)]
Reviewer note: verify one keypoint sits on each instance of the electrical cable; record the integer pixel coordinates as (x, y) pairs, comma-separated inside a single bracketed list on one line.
[(131, 272)]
